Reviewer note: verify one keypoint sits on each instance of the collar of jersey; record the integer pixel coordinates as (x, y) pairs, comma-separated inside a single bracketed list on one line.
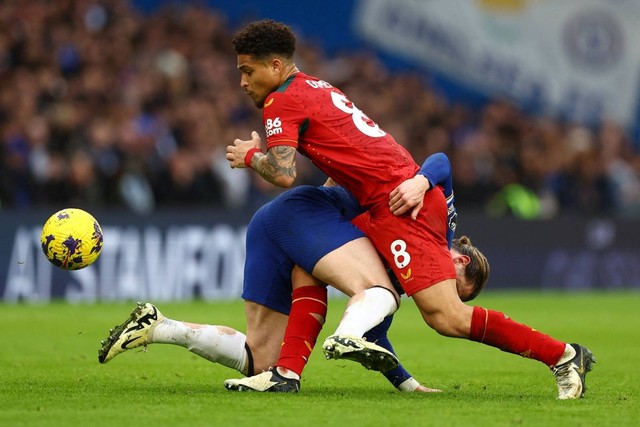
[(287, 82)]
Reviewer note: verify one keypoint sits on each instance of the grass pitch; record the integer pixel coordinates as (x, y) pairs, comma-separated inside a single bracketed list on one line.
[(50, 376)]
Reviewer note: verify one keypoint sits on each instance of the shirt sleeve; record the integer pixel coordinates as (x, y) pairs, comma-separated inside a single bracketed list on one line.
[(283, 117), (437, 169)]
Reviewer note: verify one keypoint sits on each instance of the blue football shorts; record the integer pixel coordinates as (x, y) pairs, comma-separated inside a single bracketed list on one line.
[(299, 227)]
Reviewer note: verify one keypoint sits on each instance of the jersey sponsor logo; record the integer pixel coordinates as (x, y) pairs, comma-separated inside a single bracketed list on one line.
[(273, 127)]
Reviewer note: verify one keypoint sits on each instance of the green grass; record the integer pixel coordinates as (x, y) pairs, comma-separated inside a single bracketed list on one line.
[(49, 374)]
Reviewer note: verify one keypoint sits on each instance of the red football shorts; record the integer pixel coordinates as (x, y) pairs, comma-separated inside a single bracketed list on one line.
[(416, 251)]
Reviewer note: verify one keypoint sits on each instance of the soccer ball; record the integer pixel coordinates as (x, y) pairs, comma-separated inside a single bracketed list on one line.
[(71, 239)]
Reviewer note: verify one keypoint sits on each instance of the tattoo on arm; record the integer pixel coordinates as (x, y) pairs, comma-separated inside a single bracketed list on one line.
[(279, 162)]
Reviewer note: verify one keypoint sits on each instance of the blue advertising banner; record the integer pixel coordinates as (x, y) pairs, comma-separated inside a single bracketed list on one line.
[(166, 257), (172, 256)]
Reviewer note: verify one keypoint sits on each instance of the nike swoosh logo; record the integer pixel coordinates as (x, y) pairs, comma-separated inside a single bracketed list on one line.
[(129, 341), (269, 102)]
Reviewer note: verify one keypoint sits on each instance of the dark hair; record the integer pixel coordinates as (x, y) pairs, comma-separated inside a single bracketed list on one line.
[(477, 271), (262, 39)]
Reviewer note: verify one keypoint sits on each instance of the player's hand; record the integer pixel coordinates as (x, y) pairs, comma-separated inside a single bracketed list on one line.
[(411, 385), (237, 152), (409, 195), (423, 389)]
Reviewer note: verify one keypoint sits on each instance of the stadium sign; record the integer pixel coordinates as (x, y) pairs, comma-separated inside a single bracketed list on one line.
[(137, 263), (576, 59), (157, 258)]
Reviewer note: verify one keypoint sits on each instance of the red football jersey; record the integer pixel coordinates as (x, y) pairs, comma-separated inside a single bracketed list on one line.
[(322, 124)]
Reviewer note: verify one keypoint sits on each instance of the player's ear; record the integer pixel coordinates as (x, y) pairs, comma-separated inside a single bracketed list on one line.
[(276, 66), (462, 259)]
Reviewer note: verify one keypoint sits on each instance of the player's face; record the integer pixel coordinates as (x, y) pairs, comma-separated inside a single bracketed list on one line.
[(257, 78), (464, 287)]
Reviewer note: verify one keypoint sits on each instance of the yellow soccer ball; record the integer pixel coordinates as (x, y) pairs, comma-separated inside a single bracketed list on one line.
[(71, 239)]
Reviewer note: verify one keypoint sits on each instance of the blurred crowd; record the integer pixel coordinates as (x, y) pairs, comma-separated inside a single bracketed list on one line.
[(103, 107)]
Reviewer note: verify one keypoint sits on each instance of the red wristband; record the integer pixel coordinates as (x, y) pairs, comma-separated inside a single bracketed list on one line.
[(249, 156)]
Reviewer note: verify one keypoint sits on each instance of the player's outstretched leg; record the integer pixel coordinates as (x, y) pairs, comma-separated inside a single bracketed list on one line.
[(132, 333), (368, 354), (269, 380), (570, 375)]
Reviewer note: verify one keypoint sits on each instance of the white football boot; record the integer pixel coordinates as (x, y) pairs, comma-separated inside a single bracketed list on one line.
[(269, 381), (368, 354), (570, 375), (132, 333)]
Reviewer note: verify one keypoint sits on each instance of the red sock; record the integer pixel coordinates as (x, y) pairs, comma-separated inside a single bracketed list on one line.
[(498, 330), (308, 313)]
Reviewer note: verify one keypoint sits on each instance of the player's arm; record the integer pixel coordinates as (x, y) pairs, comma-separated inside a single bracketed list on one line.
[(283, 118), (436, 170), (278, 166)]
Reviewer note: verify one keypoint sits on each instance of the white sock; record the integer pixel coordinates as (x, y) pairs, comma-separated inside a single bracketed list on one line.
[(409, 384), (287, 373), (569, 353), (366, 311), (218, 344)]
